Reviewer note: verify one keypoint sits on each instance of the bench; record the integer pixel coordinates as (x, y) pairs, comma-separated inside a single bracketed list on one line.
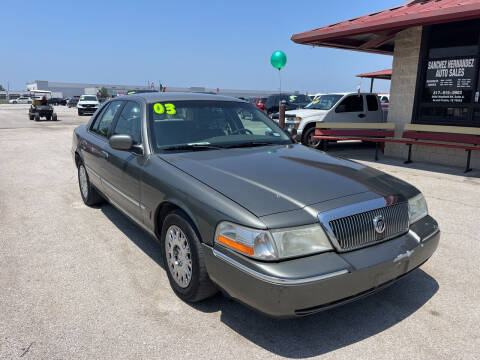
[(454, 137), (373, 132)]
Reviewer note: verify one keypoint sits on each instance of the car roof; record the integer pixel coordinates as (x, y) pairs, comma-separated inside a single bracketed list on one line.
[(151, 98)]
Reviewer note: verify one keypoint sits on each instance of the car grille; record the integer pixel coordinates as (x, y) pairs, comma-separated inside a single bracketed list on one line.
[(88, 106), (358, 230)]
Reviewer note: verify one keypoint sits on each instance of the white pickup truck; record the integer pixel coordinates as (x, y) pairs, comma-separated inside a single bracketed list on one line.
[(338, 107)]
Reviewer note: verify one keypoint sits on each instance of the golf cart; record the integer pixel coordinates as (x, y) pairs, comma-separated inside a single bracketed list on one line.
[(37, 110)]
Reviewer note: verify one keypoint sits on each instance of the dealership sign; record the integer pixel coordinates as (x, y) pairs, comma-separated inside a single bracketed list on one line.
[(450, 80)]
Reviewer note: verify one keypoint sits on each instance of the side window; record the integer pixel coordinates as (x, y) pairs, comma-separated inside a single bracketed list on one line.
[(372, 103), (130, 122), (352, 103), (104, 121)]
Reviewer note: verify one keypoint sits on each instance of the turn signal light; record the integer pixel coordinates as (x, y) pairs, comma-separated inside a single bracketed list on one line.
[(235, 245)]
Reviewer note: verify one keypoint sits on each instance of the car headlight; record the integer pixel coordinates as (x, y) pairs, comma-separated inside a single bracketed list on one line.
[(417, 208), (274, 244)]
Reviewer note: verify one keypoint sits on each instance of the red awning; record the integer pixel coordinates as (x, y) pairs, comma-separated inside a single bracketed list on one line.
[(382, 74), (375, 32)]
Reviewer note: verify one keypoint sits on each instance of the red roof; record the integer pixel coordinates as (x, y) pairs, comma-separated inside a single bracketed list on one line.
[(382, 74), (375, 32)]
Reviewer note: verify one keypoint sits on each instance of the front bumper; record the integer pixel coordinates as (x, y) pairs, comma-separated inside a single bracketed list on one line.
[(319, 282), (88, 110)]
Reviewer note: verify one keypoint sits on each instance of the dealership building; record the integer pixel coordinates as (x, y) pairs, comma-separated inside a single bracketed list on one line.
[(435, 46)]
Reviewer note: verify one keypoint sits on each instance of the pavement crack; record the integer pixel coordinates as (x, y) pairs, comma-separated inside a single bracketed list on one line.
[(27, 349), (453, 201)]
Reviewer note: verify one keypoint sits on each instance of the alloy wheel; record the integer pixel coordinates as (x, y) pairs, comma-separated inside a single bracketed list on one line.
[(179, 257)]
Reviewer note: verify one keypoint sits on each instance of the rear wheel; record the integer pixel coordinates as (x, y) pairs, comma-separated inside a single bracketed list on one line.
[(30, 117), (90, 195), (54, 117), (308, 140), (183, 257)]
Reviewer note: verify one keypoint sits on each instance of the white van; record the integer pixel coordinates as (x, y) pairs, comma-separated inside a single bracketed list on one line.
[(338, 107)]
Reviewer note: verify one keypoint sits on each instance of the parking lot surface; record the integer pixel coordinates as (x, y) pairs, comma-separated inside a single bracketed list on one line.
[(86, 283)]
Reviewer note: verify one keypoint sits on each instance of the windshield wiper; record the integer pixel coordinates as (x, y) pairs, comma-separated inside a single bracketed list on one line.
[(251, 144), (194, 147)]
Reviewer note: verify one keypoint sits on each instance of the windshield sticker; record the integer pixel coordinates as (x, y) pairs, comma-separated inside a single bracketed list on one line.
[(161, 108), (275, 134)]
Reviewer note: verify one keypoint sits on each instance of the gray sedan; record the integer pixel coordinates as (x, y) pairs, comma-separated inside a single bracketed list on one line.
[(238, 207)]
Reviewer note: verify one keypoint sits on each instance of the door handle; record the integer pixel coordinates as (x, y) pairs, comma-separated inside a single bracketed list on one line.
[(361, 116), (105, 154)]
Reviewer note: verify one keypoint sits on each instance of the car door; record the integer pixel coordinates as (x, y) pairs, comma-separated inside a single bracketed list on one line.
[(93, 147), (374, 110), (351, 109), (124, 168)]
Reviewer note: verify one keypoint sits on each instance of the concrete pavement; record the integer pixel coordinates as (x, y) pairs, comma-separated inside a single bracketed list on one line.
[(82, 283)]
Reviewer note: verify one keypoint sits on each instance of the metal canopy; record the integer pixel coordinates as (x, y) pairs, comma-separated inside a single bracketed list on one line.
[(376, 32)]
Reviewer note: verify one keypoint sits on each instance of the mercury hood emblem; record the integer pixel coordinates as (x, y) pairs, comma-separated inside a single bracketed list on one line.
[(379, 224)]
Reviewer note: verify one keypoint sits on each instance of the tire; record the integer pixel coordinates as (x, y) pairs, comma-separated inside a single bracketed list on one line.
[(90, 195), (54, 117), (30, 117), (48, 118), (37, 117), (80, 113), (190, 280), (308, 141)]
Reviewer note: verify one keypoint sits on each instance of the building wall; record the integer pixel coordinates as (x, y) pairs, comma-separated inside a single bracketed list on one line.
[(402, 95)]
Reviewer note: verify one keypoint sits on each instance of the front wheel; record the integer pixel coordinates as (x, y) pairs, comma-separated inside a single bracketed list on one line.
[(183, 257), (90, 196), (308, 140), (80, 113), (37, 117)]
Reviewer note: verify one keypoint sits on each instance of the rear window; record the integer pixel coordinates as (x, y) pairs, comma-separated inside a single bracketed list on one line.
[(372, 103)]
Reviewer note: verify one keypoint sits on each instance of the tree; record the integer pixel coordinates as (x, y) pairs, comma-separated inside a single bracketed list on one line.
[(103, 92), (2, 88)]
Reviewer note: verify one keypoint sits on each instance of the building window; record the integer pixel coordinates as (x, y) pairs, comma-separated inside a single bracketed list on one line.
[(449, 83)]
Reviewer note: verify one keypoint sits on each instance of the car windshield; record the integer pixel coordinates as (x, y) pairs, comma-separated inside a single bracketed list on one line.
[(191, 125), (324, 102), (88, 98), (298, 99)]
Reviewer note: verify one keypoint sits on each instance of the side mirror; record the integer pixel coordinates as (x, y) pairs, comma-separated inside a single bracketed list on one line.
[(341, 108), (121, 142)]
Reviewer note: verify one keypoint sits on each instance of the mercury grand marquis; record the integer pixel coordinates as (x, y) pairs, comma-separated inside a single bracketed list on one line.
[(237, 206)]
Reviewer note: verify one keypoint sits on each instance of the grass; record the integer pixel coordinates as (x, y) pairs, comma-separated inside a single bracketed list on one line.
[(3, 101)]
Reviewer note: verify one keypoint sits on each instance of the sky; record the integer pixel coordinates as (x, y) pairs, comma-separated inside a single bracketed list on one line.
[(215, 44)]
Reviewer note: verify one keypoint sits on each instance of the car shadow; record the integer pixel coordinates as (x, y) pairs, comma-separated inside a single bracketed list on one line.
[(135, 233), (309, 336)]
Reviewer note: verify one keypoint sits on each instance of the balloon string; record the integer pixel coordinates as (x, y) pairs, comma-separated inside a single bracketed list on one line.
[(280, 79)]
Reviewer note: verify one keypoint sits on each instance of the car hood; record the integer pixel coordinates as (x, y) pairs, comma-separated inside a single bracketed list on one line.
[(275, 179), (304, 113)]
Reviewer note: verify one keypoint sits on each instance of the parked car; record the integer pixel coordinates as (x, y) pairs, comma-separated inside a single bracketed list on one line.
[(21, 100), (384, 100), (260, 103), (342, 107), (292, 101), (87, 105), (57, 101), (237, 206), (72, 102)]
